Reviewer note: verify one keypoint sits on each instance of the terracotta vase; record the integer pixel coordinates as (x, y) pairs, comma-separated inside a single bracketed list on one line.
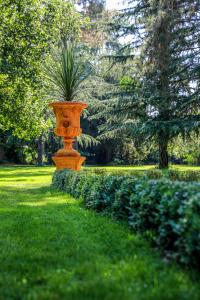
[(68, 127)]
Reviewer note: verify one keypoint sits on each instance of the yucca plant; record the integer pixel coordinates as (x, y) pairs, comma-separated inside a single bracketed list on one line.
[(64, 74)]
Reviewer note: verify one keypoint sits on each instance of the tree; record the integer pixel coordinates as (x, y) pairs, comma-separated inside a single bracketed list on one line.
[(187, 150), (28, 29), (92, 8), (164, 52)]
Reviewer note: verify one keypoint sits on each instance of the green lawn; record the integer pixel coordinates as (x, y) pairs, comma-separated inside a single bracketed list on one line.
[(52, 248), (145, 167)]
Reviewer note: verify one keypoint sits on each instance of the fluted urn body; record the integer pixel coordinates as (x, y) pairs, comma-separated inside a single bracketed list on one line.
[(68, 127)]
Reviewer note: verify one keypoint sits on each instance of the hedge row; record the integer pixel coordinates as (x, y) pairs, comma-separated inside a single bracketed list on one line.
[(169, 212), (172, 174)]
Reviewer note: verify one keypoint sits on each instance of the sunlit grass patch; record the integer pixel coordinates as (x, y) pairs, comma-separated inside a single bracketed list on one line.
[(52, 248)]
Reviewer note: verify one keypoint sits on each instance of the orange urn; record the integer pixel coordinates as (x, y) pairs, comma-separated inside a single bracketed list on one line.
[(68, 127)]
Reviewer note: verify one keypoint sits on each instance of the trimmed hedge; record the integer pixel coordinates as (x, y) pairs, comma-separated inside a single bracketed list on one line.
[(172, 174), (167, 211)]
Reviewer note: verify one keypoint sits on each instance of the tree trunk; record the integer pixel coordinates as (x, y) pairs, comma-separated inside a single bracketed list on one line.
[(40, 150), (2, 146), (163, 154), (2, 154), (198, 161), (163, 58)]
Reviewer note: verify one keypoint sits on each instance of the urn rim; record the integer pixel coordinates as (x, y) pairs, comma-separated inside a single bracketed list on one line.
[(68, 104)]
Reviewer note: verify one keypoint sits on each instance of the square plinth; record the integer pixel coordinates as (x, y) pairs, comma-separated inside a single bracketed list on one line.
[(68, 162)]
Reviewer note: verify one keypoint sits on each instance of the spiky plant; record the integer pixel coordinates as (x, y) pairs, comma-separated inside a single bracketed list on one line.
[(64, 74)]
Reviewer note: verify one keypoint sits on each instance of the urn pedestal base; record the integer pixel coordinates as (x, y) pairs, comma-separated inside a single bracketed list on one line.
[(68, 162)]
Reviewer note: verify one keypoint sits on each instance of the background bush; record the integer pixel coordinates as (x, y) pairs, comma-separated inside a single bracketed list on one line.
[(168, 210), (181, 175)]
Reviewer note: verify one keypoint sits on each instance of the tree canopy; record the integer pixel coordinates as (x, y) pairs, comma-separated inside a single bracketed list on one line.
[(143, 93), (28, 29), (160, 97)]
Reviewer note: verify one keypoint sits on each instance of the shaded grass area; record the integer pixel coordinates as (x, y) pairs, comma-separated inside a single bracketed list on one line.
[(52, 248)]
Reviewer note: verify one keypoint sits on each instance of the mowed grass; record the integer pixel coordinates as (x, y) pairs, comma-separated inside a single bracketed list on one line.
[(144, 168), (52, 248)]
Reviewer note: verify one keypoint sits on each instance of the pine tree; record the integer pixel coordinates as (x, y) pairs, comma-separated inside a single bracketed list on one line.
[(162, 98), (92, 8)]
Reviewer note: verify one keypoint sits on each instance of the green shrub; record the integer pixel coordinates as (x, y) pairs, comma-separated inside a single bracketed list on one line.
[(87, 184), (94, 198), (111, 185), (168, 210), (188, 175), (189, 244), (59, 180), (121, 205), (172, 174), (143, 205), (165, 207)]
